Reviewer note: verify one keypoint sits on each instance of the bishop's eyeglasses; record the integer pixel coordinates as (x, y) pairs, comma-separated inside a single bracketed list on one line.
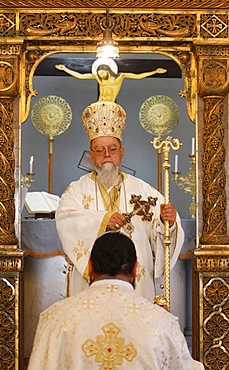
[(100, 150)]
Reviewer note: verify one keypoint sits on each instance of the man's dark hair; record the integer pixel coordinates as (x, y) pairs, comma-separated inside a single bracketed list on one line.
[(113, 253)]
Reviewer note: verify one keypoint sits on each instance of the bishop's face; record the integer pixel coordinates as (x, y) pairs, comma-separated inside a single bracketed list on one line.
[(106, 149)]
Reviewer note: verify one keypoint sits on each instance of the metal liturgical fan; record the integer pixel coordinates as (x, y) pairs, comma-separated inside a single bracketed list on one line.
[(159, 115), (51, 116)]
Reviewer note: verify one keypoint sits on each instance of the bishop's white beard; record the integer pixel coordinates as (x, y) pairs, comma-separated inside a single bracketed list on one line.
[(108, 174)]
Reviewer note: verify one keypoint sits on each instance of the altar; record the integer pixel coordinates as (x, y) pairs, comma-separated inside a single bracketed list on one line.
[(45, 272)]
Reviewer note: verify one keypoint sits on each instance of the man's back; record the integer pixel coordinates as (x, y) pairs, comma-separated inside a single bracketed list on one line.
[(108, 326)]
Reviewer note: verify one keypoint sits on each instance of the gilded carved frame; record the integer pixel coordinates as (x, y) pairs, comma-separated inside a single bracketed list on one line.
[(193, 33)]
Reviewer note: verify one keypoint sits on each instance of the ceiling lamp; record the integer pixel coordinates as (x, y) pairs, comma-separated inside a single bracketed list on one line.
[(107, 47)]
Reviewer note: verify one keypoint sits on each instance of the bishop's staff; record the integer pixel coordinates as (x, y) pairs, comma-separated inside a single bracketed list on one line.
[(165, 145)]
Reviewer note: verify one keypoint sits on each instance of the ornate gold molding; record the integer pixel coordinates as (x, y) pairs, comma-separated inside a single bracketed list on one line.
[(11, 266), (187, 63), (129, 25), (212, 267), (180, 24), (213, 87), (195, 35), (214, 174), (7, 25), (215, 321), (7, 186), (213, 77), (8, 76), (11, 259), (210, 260), (81, 30), (10, 323), (158, 4)]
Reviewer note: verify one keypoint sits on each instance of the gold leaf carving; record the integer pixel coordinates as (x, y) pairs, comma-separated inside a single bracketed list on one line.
[(9, 49), (66, 24), (214, 25), (126, 25), (214, 174), (166, 4), (212, 50), (8, 292), (11, 263), (216, 322), (7, 76), (178, 25), (214, 76), (7, 25), (189, 36), (216, 292), (7, 187), (213, 263)]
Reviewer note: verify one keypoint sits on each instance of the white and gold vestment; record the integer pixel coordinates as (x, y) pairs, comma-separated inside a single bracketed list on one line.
[(108, 326), (83, 214)]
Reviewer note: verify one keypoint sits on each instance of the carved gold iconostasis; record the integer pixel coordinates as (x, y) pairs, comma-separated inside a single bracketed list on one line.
[(195, 35)]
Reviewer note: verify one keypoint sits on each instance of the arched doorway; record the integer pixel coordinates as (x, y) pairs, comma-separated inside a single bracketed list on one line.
[(190, 38)]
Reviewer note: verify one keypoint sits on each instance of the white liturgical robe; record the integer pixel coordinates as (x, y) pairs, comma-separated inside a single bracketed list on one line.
[(82, 216), (108, 326)]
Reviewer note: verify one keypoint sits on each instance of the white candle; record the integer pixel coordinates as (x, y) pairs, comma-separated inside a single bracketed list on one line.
[(31, 164), (176, 163), (193, 146)]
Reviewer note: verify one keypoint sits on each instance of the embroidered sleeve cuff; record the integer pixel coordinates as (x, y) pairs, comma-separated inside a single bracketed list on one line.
[(173, 227), (161, 227), (104, 223)]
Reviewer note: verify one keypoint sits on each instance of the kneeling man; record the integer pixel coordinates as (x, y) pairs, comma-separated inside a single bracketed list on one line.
[(108, 326)]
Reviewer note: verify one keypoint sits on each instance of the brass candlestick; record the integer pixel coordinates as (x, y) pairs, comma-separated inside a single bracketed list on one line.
[(166, 145), (26, 181), (188, 183)]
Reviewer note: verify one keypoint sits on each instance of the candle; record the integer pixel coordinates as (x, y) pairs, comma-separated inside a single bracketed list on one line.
[(193, 146), (176, 163), (31, 164)]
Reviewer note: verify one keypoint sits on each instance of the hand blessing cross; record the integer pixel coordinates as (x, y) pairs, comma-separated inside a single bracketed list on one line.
[(141, 208)]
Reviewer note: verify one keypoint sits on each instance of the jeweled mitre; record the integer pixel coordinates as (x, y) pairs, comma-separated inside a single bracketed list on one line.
[(104, 118)]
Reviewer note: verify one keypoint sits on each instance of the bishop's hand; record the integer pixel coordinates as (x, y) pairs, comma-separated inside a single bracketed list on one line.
[(168, 213), (116, 221)]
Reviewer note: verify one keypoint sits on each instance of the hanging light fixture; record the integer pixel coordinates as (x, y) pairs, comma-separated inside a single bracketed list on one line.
[(107, 47)]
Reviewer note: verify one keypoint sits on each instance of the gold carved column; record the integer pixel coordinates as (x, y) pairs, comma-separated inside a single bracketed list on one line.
[(211, 259), (11, 257)]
